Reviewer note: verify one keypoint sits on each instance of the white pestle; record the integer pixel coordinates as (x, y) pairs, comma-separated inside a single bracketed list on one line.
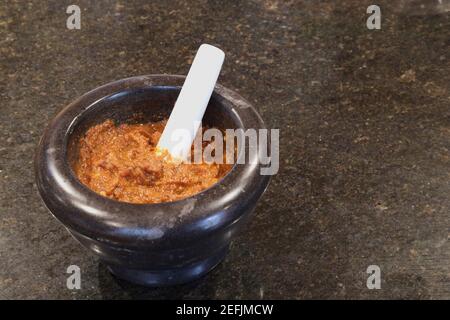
[(187, 114)]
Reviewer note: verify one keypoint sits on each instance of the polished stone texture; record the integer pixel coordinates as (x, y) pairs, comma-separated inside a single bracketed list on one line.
[(365, 137)]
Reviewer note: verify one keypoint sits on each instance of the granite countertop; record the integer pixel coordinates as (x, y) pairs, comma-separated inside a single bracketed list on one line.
[(364, 123)]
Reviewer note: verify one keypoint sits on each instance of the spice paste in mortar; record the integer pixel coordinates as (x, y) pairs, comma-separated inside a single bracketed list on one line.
[(120, 162)]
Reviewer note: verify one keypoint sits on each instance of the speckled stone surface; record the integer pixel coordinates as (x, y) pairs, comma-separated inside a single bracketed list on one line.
[(365, 137)]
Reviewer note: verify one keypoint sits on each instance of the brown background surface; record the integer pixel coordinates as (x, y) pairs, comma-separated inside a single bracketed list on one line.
[(364, 122)]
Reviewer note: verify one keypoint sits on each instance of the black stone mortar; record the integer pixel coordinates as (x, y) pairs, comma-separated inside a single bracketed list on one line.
[(150, 244)]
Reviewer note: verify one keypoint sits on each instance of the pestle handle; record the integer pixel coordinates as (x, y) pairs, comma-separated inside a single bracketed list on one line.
[(187, 114)]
